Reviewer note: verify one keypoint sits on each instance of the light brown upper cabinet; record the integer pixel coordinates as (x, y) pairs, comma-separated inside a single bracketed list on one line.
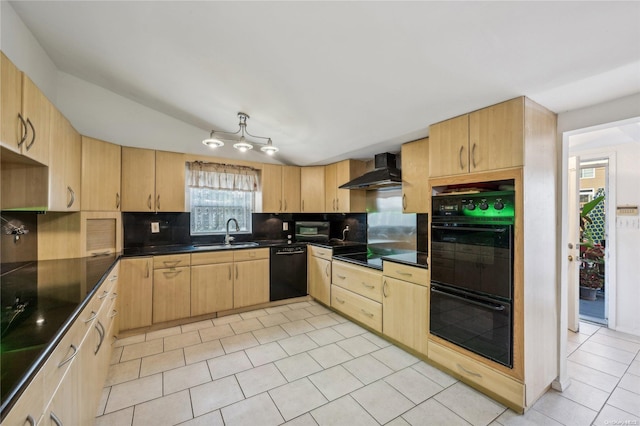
[(496, 136), (491, 138), (280, 189), (100, 175), (343, 200), (25, 114), (312, 189), (64, 165), (152, 180), (415, 176)]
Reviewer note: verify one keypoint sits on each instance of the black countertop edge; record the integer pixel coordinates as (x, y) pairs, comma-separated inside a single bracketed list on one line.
[(191, 248), (357, 262), (416, 259), (16, 392)]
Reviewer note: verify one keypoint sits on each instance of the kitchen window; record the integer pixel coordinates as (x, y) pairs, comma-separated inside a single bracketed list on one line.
[(218, 192)]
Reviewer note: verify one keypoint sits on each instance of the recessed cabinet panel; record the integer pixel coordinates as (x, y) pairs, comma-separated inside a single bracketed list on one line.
[(100, 175)]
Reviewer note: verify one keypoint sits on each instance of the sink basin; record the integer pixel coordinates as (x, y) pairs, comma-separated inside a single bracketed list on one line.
[(223, 246)]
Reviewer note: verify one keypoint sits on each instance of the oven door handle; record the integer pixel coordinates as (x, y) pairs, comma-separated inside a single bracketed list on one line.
[(487, 305), (468, 228)]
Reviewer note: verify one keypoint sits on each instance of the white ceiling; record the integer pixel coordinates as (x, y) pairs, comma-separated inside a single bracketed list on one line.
[(333, 80)]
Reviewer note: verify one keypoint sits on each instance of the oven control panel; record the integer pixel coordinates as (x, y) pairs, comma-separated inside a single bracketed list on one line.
[(488, 205)]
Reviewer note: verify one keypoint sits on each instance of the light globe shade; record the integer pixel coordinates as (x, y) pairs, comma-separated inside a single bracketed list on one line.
[(213, 142), (243, 146), (269, 149)]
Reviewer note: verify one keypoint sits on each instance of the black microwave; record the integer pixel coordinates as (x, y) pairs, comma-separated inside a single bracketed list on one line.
[(312, 231)]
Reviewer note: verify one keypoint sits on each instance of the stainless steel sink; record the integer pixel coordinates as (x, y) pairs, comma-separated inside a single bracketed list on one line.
[(223, 246)]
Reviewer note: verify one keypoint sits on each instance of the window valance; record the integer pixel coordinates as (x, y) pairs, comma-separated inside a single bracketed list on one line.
[(221, 176)]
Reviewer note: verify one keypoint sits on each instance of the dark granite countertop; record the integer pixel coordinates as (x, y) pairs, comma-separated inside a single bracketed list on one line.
[(203, 247), (40, 300), (369, 260)]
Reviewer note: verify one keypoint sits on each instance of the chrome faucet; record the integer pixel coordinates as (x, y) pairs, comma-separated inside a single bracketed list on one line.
[(344, 232), (228, 238)]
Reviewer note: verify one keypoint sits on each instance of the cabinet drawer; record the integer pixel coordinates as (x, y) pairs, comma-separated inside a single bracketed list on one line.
[(472, 371), (171, 261), (364, 281), (412, 274), (357, 307), (250, 254), (322, 252), (30, 404), (211, 257), (60, 359)]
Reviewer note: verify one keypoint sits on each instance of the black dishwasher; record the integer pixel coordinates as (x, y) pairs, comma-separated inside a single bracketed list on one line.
[(288, 272)]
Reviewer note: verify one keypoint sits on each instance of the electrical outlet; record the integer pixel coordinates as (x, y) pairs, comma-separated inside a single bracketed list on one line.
[(155, 227), (285, 226)]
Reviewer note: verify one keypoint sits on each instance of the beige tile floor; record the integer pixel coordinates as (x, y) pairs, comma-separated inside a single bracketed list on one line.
[(301, 364)]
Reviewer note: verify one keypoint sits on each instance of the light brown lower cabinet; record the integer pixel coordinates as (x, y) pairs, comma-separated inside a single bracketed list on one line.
[(251, 282), (405, 307), (136, 292), (171, 294), (211, 288), (319, 275)]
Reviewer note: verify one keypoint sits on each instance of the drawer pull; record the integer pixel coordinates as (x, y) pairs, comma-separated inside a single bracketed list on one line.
[(172, 272), (369, 314), (114, 296), (368, 285), (113, 278), (342, 277), (100, 253), (171, 263), (406, 274), (338, 300), (55, 419), (30, 419), (92, 317), (113, 314), (75, 352), (471, 373), (105, 293)]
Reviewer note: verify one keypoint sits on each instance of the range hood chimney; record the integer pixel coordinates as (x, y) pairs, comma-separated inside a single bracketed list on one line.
[(385, 175)]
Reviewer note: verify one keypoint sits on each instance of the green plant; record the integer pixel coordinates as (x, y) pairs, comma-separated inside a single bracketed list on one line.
[(586, 239), (591, 267)]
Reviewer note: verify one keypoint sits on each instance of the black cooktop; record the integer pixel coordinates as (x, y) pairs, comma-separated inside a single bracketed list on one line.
[(374, 260)]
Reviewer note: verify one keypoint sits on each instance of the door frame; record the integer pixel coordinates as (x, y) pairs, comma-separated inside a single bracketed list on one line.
[(562, 381)]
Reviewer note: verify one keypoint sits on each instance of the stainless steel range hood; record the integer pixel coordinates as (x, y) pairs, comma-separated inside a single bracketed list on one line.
[(385, 175)]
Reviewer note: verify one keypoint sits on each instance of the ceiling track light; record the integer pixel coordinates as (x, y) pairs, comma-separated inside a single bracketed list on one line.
[(215, 140)]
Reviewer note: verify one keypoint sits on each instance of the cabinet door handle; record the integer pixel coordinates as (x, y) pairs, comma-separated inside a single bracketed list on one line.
[(158, 202), (368, 285), (369, 314), (147, 273), (334, 204), (302, 205), (384, 289), (285, 205), (30, 419), (236, 272), (473, 155), (280, 205), (404, 201), (337, 204), (342, 277), (460, 157), (149, 202), (75, 352), (101, 332), (33, 134), (25, 130), (326, 270), (73, 196), (471, 373), (117, 200), (55, 419), (92, 317), (338, 300), (229, 272)]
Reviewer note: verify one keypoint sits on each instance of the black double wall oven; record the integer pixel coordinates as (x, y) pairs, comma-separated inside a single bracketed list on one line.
[(472, 272)]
